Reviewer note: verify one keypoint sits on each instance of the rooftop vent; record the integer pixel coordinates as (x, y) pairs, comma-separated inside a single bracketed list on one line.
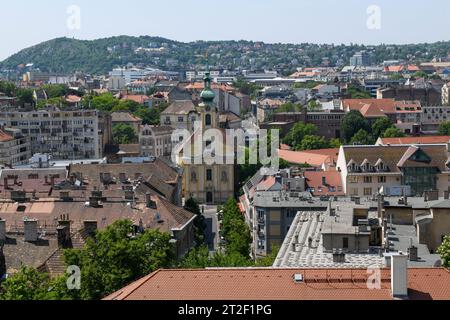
[(298, 278)]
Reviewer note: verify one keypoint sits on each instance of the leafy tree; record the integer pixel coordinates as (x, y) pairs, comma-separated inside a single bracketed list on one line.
[(444, 251), (362, 137), (396, 76), (118, 257), (444, 128), (199, 223), (380, 126), (55, 90), (335, 143), (420, 74), (235, 230), (24, 96), (352, 123), (289, 107), (298, 132), (126, 105), (8, 88), (30, 284), (313, 105), (104, 102), (200, 258), (357, 93), (124, 134), (310, 142), (393, 132), (268, 260)]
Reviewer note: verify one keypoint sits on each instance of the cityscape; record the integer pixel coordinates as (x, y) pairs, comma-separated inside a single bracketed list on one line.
[(144, 168)]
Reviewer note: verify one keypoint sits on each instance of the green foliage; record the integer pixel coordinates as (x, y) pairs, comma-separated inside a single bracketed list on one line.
[(235, 230), (313, 105), (362, 137), (8, 88), (55, 90), (268, 260), (310, 142), (352, 123), (444, 128), (307, 84), (380, 126), (200, 258), (289, 107), (396, 76), (444, 251), (335, 143), (199, 223), (357, 93), (420, 74), (30, 284), (246, 87), (124, 134), (393, 132), (298, 132), (24, 96), (117, 258)]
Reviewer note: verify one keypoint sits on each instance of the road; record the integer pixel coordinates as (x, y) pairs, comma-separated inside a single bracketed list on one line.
[(212, 226)]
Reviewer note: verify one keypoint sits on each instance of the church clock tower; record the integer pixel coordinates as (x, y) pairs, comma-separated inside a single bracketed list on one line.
[(208, 109)]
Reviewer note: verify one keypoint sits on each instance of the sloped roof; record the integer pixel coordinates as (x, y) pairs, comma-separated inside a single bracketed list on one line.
[(314, 179), (180, 107), (124, 117), (277, 284), (416, 140)]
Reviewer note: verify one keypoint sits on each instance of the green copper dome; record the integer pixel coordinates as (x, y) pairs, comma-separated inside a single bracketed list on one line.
[(207, 94)]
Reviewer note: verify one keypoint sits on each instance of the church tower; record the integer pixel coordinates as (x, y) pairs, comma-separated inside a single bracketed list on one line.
[(208, 109)]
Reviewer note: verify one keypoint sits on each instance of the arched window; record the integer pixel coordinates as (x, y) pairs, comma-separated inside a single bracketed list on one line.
[(208, 120)]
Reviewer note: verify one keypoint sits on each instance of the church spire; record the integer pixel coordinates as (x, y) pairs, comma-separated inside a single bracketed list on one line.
[(207, 94)]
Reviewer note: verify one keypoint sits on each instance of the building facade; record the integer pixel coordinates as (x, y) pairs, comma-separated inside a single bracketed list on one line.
[(65, 134), (155, 141), (15, 148)]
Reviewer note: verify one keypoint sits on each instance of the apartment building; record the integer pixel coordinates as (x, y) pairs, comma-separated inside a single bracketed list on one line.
[(15, 148), (409, 169), (432, 117), (155, 141), (65, 134), (181, 114)]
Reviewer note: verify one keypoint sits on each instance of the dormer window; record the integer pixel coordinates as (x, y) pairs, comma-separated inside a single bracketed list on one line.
[(352, 166), (380, 166), (366, 166)]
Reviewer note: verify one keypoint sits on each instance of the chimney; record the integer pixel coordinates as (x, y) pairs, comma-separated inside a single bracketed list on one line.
[(16, 180), (31, 230), (2, 230), (399, 275), (129, 195), (5, 183), (278, 178), (150, 203), (63, 230), (46, 180), (52, 180), (90, 226), (446, 195)]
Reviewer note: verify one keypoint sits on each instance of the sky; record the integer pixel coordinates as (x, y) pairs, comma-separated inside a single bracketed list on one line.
[(24, 23)]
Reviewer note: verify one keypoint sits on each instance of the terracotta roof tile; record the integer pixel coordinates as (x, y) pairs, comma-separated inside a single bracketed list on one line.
[(278, 284)]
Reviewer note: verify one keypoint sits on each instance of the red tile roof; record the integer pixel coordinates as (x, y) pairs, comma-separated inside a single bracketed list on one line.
[(380, 107), (141, 99), (333, 181), (278, 284), (315, 158), (416, 140), (4, 137)]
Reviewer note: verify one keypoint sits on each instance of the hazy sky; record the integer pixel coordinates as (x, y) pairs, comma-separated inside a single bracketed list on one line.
[(24, 23)]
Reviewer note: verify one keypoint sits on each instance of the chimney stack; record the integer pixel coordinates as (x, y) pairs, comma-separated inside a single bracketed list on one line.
[(150, 203), (52, 180), (63, 230), (5, 183), (2, 230), (399, 275), (46, 180), (90, 226), (31, 230)]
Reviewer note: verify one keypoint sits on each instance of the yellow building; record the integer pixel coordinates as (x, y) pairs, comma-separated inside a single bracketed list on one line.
[(207, 180)]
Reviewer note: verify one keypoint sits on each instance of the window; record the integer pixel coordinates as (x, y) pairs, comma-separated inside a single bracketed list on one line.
[(367, 191), (352, 179), (355, 192), (382, 179), (368, 179), (208, 120), (193, 176), (345, 243), (208, 175), (180, 119)]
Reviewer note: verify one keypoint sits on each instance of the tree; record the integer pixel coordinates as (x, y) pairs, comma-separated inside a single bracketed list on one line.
[(199, 223), (55, 90), (396, 76), (444, 128), (298, 132), (335, 143), (420, 74), (352, 123), (313, 105), (124, 134), (380, 126), (393, 132), (444, 251), (200, 258), (30, 284), (118, 257), (268, 260), (313, 143), (235, 230), (289, 107), (362, 137), (357, 93), (24, 96)]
